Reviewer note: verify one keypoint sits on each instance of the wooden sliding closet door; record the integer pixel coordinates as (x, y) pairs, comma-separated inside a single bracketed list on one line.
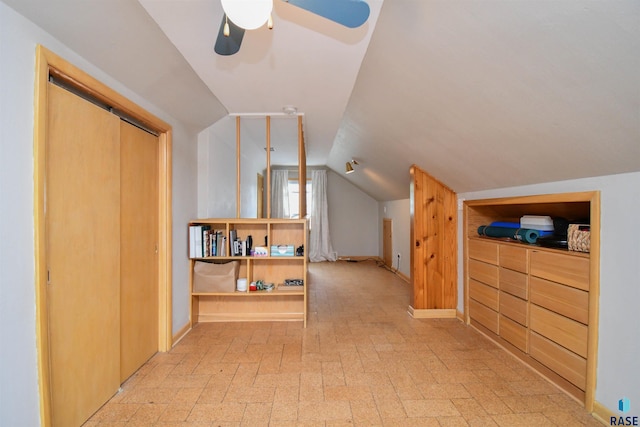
[(139, 247), (83, 255)]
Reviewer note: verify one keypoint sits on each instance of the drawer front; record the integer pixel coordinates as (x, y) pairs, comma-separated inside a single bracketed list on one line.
[(514, 283), (568, 365), (484, 294), (514, 308), (514, 258), (570, 302), (483, 272), (562, 330), (566, 269), (484, 315), (514, 333), (483, 251)]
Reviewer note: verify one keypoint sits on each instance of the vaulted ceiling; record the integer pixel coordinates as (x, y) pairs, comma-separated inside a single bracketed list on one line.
[(480, 94)]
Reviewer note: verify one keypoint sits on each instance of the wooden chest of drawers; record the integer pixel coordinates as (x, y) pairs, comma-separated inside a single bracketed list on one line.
[(534, 300)]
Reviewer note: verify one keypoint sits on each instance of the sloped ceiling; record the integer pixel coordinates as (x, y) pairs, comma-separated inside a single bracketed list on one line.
[(480, 94), (119, 38), (492, 94)]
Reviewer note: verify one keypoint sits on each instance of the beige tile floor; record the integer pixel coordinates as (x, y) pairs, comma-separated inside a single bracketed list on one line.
[(362, 361)]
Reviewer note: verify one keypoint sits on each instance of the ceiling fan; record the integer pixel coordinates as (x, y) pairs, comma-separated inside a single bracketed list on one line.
[(350, 13)]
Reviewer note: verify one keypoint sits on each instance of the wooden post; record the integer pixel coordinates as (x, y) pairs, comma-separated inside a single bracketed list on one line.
[(302, 171), (268, 166), (237, 166)]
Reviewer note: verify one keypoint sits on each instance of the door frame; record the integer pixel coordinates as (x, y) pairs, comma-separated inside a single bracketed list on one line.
[(48, 63), (387, 244)]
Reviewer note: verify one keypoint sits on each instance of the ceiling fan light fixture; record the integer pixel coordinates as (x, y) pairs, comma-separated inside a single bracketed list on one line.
[(248, 14), (226, 31)]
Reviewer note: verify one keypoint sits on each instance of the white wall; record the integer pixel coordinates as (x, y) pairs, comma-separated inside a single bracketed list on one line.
[(354, 223), (19, 398), (618, 373), (400, 214), (184, 205), (217, 172)]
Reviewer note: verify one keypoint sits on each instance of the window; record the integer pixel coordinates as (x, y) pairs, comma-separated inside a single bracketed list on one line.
[(294, 198)]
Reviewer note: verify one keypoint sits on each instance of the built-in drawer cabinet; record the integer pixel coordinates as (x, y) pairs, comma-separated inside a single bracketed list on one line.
[(514, 308), (547, 298), (483, 272), (515, 283), (514, 333), (483, 315), (569, 270), (535, 300)]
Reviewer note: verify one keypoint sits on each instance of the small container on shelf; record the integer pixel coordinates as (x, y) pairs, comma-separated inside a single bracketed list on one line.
[(282, 250)]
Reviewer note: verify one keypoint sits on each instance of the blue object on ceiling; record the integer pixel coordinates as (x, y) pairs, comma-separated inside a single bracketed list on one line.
[(350, 13)]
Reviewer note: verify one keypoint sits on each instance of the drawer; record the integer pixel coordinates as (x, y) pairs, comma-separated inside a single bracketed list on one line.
[(570, 302), (562, 330), (514, 333), (568, 365), (566, 269), (514, 283), (514, 308), (514, 258), (483, 251), (483, 272), (484, 315), (484, 294)]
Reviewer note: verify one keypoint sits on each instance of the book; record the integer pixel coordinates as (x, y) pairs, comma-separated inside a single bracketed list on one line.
[(192, 241), (197, 242), (233, 236), (219, 244), (204, 242)]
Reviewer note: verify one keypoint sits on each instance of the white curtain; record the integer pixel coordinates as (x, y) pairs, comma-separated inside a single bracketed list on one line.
[(320, 248), (280, 194)]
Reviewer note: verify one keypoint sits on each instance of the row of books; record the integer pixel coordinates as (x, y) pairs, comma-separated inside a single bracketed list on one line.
[(207, 242)]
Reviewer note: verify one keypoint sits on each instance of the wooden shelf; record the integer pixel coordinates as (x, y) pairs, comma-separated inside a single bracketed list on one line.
[(274, 305), (273, 293)]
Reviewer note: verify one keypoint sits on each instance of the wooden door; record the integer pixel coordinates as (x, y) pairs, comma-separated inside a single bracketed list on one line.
[(138, 248), (387, 242), (82, 228)]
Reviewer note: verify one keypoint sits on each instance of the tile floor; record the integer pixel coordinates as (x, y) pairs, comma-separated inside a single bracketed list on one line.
[(362, 360)]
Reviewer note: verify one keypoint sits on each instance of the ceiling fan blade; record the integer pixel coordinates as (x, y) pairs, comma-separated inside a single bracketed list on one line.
[(231, 44), (350, 13)]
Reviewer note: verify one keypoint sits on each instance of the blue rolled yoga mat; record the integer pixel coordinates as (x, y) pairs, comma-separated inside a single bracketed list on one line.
[(522, 234), (505, 224)]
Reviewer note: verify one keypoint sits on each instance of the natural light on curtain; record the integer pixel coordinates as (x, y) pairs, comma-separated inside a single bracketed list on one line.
[(320, 248), (294, 198), (280, 193)]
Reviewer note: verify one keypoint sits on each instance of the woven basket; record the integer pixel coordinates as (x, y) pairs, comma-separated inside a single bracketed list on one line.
[(579, 237)]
